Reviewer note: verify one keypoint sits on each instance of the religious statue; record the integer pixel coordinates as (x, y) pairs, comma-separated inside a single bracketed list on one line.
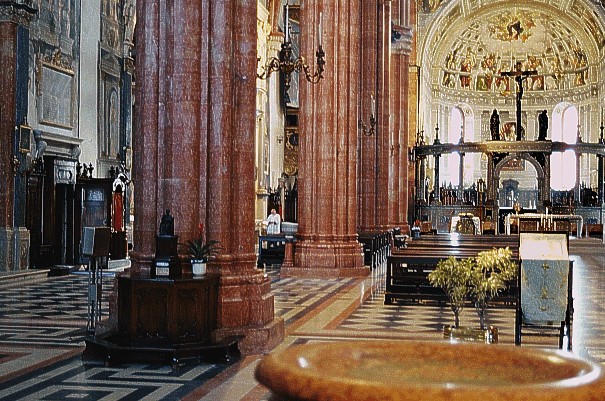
[(519, 77), (167, 224), (494, 126), (542, 126)]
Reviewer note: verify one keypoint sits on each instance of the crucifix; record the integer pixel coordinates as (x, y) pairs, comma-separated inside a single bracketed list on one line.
[(520, 76)]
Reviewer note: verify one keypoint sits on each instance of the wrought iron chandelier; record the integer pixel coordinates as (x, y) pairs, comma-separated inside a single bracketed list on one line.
[(287, 64)]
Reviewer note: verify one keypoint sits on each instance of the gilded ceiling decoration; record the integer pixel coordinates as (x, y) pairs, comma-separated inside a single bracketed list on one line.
[(428, 6), (496, 42)]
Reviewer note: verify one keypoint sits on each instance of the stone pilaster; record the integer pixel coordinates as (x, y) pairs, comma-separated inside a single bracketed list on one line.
[(14, 36), (327, 241), (14, 248)]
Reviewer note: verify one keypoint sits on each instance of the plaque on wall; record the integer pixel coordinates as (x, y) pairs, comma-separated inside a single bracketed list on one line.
[(25, 133), (56, 96)]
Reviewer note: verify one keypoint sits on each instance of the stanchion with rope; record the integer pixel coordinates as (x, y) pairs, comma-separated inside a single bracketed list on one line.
[(95, 245)]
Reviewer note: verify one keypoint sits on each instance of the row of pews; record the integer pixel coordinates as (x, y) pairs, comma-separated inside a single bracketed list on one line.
[(376, 246), (408, 267)]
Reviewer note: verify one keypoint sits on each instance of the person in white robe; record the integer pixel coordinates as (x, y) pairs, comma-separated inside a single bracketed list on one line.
[(273, 223)]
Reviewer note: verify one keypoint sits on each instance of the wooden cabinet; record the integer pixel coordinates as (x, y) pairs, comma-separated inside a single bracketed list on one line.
[(167, 312)]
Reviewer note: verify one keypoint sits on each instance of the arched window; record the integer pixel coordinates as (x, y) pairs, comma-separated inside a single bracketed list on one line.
[(449, 168), (563, 165)]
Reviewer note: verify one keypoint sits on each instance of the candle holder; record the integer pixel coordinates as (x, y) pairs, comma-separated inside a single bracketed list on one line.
[(364, 128), (287, 64)]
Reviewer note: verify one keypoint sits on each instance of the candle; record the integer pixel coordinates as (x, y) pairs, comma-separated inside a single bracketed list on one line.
[(287, 23), (321, 30), (373, 106), (601, 115)]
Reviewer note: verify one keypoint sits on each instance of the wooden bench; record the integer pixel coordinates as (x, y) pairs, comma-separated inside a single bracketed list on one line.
[(376, 246), (408, 268)]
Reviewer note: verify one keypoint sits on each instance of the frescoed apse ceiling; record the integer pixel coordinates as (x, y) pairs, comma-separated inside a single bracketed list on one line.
[(471, 42)]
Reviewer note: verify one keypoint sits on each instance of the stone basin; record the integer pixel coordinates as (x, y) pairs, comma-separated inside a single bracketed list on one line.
[(403, 370)]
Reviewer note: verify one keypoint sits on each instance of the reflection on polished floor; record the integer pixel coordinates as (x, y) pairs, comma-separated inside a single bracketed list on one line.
[(43, 320)]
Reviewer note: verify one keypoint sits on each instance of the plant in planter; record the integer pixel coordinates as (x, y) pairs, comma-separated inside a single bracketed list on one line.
[(452, 275), (200, 251), (479, 278), (490, 273)]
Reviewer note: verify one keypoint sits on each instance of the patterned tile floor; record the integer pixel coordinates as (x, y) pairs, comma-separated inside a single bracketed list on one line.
[(43, 323)]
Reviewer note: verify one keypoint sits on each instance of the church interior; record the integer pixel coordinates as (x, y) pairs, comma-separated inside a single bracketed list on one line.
[(193, 186)]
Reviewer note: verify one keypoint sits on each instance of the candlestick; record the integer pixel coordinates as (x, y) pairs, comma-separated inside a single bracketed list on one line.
[(287, 23), (321, 31)]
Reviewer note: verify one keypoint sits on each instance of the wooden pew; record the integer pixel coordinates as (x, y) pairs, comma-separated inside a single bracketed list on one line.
[(376, 246), (408, 268)]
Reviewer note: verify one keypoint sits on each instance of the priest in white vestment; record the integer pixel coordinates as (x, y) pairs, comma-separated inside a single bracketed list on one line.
[(273, 223)]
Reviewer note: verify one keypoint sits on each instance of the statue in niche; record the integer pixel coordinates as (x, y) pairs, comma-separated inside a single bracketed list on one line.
[(494, 126), (167, 224), (542, 126)]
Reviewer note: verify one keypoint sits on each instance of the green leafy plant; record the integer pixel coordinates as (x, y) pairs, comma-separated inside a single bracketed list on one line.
[(477, 278), (200, 249), (490, 273), (452, 275)]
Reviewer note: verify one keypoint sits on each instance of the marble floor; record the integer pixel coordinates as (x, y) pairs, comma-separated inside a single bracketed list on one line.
[(43, 325)]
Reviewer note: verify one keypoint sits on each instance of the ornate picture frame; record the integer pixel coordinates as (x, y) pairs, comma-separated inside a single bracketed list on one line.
[(25, 135)]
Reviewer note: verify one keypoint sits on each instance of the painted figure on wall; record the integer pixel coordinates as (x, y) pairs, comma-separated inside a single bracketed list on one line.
[(580, 63), (428, 6), (466, 68), (535, 82)]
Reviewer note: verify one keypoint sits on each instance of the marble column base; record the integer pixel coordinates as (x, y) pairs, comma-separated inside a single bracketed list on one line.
[(256, 339), (246, 308), (405, 228), (14, 248), (327, 260)]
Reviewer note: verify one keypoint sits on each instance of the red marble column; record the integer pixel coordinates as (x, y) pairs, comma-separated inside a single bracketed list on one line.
[(398, 212), (327, 241), (377, 175), (413, 96), (8, 57), (385, 176), (368, 156), (194, 153)]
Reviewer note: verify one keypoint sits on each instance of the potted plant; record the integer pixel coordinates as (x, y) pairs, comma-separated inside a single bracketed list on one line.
[(200, 251), (490, 273), (452, 275), (477, 278)]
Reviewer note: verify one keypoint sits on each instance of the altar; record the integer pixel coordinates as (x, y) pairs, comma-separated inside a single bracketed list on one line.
[(544, 222), (465, 225)]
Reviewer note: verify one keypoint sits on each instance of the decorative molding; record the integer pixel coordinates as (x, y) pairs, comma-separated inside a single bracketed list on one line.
[(20, 12), (402, 40)]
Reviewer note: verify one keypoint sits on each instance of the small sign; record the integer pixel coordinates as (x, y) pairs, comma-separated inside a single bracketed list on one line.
[(162, 269)]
